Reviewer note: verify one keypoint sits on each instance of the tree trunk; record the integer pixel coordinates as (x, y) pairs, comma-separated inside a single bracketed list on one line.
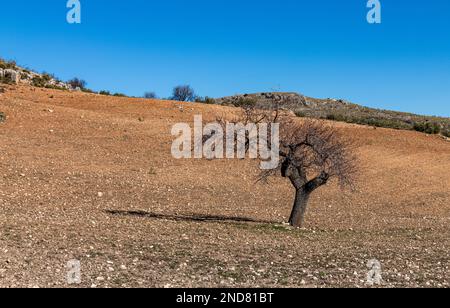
[(299, 210)]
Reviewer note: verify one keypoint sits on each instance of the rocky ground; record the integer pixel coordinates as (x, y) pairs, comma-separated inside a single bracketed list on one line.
[(91, 178)]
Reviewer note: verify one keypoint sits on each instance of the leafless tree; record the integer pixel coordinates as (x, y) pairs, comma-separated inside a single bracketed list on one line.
[(183, 94), (312, 153)]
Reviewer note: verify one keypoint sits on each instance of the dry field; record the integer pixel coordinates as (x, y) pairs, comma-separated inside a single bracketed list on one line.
[(91, 177)]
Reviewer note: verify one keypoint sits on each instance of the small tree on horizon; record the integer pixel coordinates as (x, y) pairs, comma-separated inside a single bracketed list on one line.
[(183, 94), (150, 95)]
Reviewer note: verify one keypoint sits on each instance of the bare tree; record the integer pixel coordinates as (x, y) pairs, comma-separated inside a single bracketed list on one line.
[(312, 153), (183, 94)]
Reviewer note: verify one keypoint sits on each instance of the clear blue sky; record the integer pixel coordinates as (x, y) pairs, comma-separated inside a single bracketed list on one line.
[(321, 48)]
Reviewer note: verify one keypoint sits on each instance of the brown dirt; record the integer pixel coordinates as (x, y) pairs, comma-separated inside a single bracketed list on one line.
[(161, 222)]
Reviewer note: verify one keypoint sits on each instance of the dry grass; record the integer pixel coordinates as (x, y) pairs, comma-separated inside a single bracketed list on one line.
[(161, 222)]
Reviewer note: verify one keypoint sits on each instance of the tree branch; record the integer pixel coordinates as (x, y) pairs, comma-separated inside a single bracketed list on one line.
[(315, 183)]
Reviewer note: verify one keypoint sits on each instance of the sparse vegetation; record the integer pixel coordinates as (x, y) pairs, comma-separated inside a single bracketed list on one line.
[(7, 64), (205, 100), (369, 121), (106, 93), (245, 102), (300, 114), (86, 90), (41, 81), (428, 127), (2, 117), (423, 126), (54, 87)]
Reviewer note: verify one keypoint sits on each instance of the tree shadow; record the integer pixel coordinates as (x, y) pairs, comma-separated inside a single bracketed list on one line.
[(188, 218)]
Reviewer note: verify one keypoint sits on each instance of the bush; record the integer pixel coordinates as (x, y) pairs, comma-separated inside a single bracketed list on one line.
[(420, 127), (104, 92), (150, 95), (336, 117), (435, 128), (245, 102), (43, 81), (40, 81), (47, 77), (386, 123), (77, 83), (367, 120), (205, 100), (2, 117), (119, 95), (209, 100), (53, 87), (428, 127)]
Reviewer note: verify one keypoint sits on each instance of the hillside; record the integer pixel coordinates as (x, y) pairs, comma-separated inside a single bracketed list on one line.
[(300, 105), (90, 177), (11, 73), (340, 110)]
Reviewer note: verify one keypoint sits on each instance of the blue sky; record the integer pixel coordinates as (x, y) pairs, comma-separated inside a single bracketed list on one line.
[(322, 48)]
